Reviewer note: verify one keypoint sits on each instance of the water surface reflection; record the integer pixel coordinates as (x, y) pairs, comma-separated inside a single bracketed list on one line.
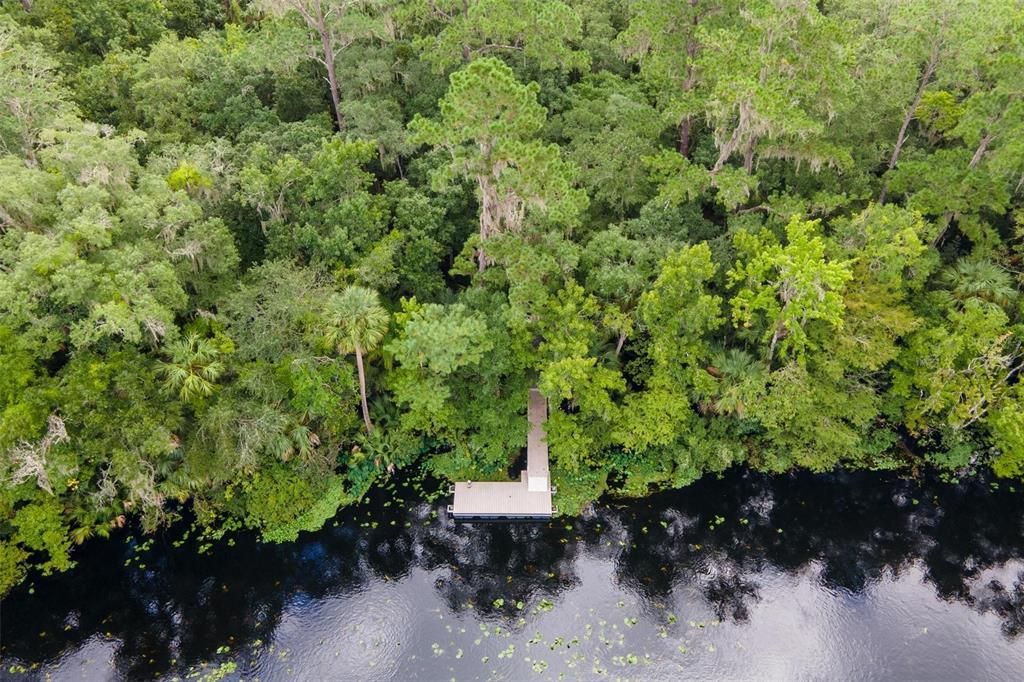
[(812, 576)]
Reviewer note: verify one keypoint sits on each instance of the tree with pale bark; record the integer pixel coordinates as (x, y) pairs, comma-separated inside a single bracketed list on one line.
[(334, 26), (489, 124)]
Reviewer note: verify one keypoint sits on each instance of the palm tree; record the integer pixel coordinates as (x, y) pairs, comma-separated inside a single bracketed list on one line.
[(358, 323), (741, 377), (193, 368), (980, 278)]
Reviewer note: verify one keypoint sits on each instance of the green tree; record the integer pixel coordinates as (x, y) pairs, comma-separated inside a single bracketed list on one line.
[(568, 326), (542, 32), (316, 205), (438, 348), (193, 368), (959, 368), (740, 379), (813, 417), (1006, 425), (488, 124), (929, 44), (679, 313), (205, 206), (777, 75), (357, 324), (782, 289), (971, 278), (887, 248), (979, 163), (34, 97), (608, 127), (88, 29), (618, 270), (663, 38), (334, 26)]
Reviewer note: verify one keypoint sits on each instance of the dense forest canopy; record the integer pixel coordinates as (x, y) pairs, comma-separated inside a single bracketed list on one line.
[(255, 255)]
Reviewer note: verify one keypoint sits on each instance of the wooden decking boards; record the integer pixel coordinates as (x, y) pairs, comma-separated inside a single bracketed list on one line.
[(536, 444), (527, 498)]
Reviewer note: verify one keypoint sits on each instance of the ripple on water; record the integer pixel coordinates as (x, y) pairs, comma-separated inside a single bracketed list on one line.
[(362, 635), (729, 579)]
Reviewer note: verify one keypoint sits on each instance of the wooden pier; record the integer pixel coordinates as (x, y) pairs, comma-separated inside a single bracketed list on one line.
[(527, 498)]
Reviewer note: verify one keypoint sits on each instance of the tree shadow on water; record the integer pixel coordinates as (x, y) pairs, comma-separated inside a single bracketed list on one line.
[(851, 529), (169, 607)]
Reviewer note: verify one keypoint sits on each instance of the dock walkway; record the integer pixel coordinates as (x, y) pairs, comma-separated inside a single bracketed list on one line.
[(527, 498)]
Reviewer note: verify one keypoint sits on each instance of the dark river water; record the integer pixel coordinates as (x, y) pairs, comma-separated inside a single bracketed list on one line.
[(847, 576)]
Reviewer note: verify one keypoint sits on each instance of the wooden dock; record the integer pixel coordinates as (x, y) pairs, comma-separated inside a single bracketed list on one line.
[(527, 498)]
